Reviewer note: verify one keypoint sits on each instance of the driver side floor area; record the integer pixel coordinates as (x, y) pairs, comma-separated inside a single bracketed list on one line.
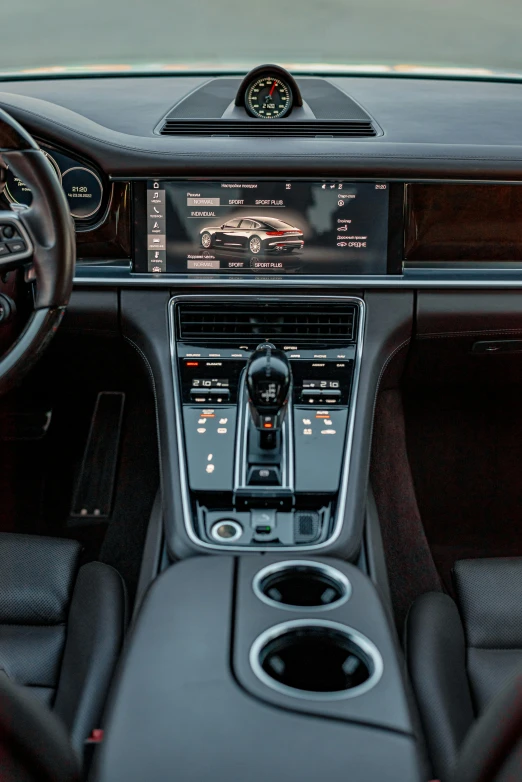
[(40, 469)]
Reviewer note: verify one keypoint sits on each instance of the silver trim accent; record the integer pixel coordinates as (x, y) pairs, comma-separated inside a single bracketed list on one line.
[(382, 282), (364, 643), (237, 527), (292, 564), (185, 496)]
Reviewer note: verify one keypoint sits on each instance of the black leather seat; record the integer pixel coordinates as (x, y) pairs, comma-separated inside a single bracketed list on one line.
[(61, 627), (460, 656)]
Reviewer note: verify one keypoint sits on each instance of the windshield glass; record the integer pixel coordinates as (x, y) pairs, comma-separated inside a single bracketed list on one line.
[(237, 34)]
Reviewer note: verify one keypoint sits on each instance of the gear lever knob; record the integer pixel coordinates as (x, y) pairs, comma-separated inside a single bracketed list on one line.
[(268, 379)]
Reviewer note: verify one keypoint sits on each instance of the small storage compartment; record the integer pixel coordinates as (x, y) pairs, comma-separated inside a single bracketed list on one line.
[(316, 659), (302, 585)]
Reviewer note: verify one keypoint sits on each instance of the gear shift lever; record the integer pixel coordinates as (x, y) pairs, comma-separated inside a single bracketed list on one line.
[(268, 379)]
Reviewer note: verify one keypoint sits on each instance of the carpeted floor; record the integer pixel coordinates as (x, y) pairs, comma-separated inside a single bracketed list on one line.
[(37, 477)]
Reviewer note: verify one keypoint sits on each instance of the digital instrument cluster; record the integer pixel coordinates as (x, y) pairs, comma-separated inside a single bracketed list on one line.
[(81, 184)]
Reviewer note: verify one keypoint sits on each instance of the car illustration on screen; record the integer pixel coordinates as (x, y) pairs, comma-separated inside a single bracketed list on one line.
[(255, 234)]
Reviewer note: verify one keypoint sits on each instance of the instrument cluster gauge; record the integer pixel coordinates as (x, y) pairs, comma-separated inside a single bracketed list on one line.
[(83, 188), (17, 191), (268, 97)]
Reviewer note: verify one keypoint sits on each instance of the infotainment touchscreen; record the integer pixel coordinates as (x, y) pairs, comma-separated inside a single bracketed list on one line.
[(283, 227)]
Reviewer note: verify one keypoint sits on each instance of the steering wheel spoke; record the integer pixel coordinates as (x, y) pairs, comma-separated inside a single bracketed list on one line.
[(42, 235), (16, 247)]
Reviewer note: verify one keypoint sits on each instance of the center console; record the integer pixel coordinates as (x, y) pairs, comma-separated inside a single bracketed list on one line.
[(265, 392), (273, 660), (290, 671)]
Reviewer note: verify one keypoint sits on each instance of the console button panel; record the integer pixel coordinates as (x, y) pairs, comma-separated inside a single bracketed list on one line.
[(320, 435), (210, 435)]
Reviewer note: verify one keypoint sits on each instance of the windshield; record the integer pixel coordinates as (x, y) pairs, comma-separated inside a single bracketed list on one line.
[(379, 35)]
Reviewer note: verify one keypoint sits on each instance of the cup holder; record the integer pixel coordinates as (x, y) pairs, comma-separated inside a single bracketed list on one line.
[(316, 659), (302, 585)]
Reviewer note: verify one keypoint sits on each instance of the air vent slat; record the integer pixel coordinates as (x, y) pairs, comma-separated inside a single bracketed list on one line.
[(232, 323), (269, 129)]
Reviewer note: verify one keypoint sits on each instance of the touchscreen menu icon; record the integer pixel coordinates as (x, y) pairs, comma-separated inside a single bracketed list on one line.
[(156, 229)]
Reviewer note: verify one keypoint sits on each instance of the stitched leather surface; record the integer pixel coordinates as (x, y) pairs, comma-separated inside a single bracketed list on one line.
[(61, 629), (32, 655), (436, 658), (493, 748), (94, 641), (490, 599), (489, 593), (36, 578), (460, 659), (488, 671)]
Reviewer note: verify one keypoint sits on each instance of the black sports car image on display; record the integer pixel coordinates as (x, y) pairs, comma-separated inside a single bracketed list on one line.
[(256, 234)]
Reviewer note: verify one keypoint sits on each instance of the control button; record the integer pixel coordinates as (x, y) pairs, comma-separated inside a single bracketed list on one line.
[(263, 521), (260, 475), (17, 246), (226, 531), (196, 396), (4, 250), (264, 516), (201, 430), (328, 431), (307, 431), (8, 231), (220, 394), (222, 430), (210, 468), (223, 421)]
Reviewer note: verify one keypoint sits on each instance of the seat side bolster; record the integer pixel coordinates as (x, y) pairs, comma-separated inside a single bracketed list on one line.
[(95, 632), (436, 658), (494, 741)]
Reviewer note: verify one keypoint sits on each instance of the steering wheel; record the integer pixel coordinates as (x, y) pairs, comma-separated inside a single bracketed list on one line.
[(41, 235)]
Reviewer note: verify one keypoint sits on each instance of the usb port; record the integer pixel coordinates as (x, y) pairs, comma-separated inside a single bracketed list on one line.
[(263, 530)]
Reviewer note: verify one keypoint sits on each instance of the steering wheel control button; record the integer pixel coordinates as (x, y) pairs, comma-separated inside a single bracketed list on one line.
[(4, 250), (17, 246), (84, 192), (7, 308), (226, 531), (8, 231)]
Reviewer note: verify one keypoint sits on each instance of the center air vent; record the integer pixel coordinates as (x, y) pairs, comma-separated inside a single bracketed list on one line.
[(332, 323), (266, 128)]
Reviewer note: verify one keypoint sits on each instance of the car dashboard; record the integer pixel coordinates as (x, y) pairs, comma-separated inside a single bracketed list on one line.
[(279, 250)]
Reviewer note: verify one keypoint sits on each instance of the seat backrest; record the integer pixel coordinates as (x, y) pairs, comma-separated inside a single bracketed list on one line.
[(37, 577), (489, 596)]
